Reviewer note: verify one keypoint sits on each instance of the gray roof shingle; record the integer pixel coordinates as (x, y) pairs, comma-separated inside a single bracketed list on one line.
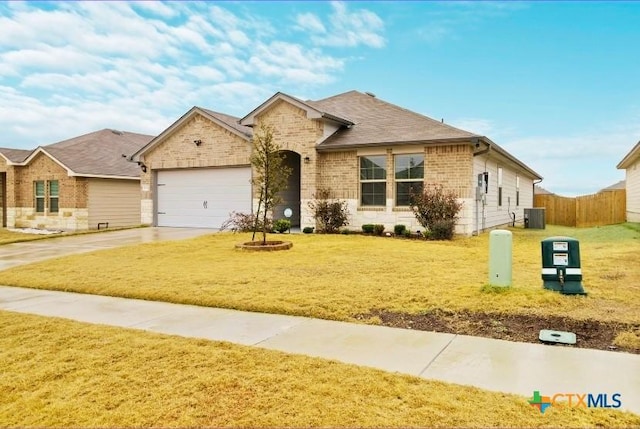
[(15, 155), (231, 121), (379, 122), (100, 153)]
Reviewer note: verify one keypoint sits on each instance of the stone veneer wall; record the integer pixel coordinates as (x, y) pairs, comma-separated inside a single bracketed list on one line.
[(220, 147)]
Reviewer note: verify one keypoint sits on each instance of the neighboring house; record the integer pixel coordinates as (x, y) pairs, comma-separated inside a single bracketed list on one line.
[(77, 184), (539, 190), (631, 164), (370, 153), (615, 187)]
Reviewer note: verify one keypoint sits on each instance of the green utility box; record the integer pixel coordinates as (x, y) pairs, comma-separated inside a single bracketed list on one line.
[(561, 269), (500, 257)]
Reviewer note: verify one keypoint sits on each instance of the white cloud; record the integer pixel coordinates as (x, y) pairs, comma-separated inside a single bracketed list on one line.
[(344, 28), (75, 67), (483, 127), (158, 8), (310, 22), (444, 20), (578, 164)]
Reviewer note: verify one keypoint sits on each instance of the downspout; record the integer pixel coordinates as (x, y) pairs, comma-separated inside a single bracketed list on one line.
[(533, 191)]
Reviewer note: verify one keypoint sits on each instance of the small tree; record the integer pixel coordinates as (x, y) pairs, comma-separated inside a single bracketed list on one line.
[(330, 214), (270, 176), (436, 210)]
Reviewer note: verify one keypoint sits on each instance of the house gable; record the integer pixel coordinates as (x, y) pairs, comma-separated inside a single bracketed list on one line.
[(43, 167), (197, 141), (228, 123), (309, 109)]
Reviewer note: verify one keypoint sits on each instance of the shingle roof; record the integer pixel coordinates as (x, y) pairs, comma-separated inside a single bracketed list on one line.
[(539, 190), (616, 186), (379, 122), (313, 110), (232, 121), (100, 153), (15, 155)]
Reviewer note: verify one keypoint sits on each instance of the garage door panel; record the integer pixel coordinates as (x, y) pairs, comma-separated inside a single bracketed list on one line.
[(202, 198)]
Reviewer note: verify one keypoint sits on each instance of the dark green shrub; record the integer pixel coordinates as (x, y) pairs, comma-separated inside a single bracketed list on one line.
[(399, 229), (330, 214), (345, 231), (282, 225), (442, 229), (436, 209), (407, 233), (308, 230), (378, 229), (367, 228)]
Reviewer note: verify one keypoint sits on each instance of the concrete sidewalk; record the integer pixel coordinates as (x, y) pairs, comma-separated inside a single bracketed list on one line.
[(497, 365)]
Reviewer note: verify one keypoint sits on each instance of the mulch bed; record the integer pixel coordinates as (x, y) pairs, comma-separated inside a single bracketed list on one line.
[(590, 334)]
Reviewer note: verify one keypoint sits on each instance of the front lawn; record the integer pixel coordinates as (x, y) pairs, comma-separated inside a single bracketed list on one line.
[(58, 373), (354, 277), (7, 237)]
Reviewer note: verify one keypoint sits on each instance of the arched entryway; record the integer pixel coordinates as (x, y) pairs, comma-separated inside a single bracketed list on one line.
[(290, 197)]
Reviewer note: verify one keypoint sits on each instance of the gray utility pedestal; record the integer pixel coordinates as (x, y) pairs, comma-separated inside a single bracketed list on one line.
[(500, 257), (561, 270)]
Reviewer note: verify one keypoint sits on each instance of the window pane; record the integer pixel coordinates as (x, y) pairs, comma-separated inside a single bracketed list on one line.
[(39, 189), (53, 188), (373, 167), (40, 204), (374, 194), (409, 166), (53, 205), (404, 190)]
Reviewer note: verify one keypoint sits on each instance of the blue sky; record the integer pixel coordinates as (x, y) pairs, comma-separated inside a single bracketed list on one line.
[(555, 83)]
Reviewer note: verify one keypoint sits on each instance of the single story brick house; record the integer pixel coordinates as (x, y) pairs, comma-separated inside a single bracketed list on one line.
[(631, 164), (368, 152), (78, 184)]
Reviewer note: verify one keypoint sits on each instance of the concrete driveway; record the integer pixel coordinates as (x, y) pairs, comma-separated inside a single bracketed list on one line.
[(15, 254)]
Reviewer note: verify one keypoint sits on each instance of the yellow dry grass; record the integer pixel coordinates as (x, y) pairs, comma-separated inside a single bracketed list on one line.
[(7, 236), (58, 373), (339, 276)]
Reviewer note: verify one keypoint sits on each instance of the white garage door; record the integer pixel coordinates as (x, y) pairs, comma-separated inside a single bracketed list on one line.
[(202, 198)]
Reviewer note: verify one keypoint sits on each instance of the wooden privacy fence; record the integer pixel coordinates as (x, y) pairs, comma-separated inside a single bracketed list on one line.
[(603, 208)]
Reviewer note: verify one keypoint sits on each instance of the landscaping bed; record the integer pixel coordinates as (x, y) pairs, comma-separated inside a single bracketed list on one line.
[(591, 334)]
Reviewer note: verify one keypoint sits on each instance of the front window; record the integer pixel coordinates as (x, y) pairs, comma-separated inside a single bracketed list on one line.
[(39, 196), (53, 196), (373, 180), (409, 175)]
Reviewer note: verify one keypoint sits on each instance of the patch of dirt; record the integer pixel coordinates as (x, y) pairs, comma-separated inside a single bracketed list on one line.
[(590, 334)]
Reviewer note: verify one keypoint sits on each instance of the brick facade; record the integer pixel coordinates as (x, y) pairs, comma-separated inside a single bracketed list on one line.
[(294, 132), (450, 166), (219, 148), (72, 201)]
